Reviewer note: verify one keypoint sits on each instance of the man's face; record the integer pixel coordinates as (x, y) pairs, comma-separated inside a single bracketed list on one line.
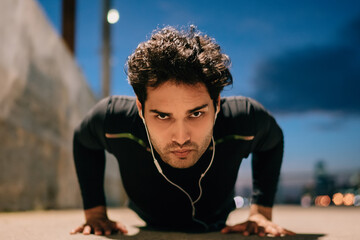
[(180, 121)]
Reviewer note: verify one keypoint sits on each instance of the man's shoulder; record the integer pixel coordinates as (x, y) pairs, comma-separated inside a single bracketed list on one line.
[(120, 108), (119, 104), (111, 108), (239, 106), (121, 115)]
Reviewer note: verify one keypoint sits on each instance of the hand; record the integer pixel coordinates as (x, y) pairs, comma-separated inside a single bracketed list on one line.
[(246, 228), (259, 223), (98, 223), (261, 228)]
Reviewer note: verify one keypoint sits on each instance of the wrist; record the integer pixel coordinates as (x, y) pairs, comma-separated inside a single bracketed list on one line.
[(256, 209), (96, 212)]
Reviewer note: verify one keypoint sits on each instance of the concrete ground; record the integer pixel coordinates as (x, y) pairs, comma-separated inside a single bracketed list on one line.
[(310, 224)]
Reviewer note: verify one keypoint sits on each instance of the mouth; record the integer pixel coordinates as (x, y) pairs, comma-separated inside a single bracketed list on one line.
[(183, 153)]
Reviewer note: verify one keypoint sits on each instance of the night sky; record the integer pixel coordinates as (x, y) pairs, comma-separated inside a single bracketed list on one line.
[(300, 59)]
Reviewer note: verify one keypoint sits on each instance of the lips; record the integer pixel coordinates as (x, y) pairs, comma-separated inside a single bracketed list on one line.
[(183, 153)]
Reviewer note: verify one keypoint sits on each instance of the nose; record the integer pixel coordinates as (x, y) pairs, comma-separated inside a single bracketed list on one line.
[(180, 133)]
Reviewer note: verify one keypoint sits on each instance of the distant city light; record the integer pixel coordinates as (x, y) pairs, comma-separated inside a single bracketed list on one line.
[(357, 201), (113, 16), (338, 199), (349, 199), (306, 201), (322, 201)]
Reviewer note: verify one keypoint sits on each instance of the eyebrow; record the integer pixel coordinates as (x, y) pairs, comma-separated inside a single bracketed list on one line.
[(197, 108), (189, 111)]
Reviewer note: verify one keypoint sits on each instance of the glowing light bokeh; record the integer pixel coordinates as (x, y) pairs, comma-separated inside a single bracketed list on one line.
[(306, 201), (338, 199), (349, 199), (113, 16), (322, 201), (357, 201)]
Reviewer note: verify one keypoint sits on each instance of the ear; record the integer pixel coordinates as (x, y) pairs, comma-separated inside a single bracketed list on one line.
[(139, 107)]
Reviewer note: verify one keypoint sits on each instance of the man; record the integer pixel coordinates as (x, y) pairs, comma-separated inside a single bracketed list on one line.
[(178, 144)]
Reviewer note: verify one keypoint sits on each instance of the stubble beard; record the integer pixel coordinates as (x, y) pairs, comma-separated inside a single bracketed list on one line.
[(190, 160)]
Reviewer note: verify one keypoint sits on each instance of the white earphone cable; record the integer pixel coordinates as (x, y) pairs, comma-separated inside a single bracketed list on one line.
[(177, 186)]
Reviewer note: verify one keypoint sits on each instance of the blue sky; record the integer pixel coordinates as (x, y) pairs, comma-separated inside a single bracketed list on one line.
[(300, 59)]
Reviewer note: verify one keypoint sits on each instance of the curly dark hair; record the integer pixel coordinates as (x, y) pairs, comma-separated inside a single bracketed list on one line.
[(187, 57)]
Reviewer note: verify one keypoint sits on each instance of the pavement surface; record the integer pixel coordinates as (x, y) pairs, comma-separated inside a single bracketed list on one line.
[(312, 223)]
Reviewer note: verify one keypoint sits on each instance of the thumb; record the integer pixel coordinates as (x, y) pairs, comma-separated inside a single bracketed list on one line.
[(225, 229), (121, 227), (236, 228)]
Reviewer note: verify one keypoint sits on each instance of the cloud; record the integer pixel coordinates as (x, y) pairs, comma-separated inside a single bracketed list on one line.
[(315, 78)]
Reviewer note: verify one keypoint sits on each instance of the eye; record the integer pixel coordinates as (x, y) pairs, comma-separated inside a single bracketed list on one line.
[(162, 116), (196, 114)]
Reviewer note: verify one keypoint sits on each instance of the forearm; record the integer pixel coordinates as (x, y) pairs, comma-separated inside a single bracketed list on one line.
[(90, 167), (266, 170)]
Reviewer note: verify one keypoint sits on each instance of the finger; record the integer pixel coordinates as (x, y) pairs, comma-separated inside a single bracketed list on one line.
[(86, 230), (77, 230), (121, 227), (279, 229), (282, 231), (261, 231), (236, 228), (225, 230), (288, 232), (98, 230), (250, 229), (271, 230), (256, 229), (96, 227), (239, 227), (228, 229), (107, 230)]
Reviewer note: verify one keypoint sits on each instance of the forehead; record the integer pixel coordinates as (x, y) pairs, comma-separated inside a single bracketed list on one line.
[(176, 97)]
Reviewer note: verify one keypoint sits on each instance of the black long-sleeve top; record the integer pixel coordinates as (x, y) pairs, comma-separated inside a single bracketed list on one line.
[(242, 127)]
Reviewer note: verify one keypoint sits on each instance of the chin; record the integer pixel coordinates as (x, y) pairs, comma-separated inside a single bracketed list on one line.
[(181, 165)]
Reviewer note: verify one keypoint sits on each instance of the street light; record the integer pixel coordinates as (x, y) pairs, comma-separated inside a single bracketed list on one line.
[(113, 16)]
